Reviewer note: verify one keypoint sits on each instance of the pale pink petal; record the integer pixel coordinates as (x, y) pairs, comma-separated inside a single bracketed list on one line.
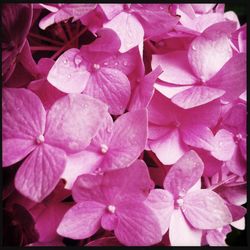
[(80, 163), (207, 57), (169, 148), (202, 8), (69, 73), (82, 220), (23, 121), (162, 204), (217, 237), (231, 78), (184, 174), (88, 187), (48, 221), (128, 140), (109, 221), (223, 146), (47, 21), (129, 30), (205, 209), (239, 224), (132, 183), (196, 96), (198, 136), (40, 172), (111, 10), (176, 68), (137, 225), (189, 235), (73, 121), (110, 86)]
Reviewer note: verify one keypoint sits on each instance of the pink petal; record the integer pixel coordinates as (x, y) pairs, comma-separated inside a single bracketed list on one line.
[(189, 235), (88, 187), (169, 148), (237, 212), (128, 140), (80, 163), (111, 10), (184, 173), (217, 237), (231, 78), (207, 57), (82, 220), (40, 172), (69, 73), (109, 221), (23, 121), (162, 204), (198, 136), (137, 225), (224, 145), (129, 30), (73, 121), (47, 21), (48, 221), (205, 209), (176, 68), (196, 96), (110, 86), (132, 183)]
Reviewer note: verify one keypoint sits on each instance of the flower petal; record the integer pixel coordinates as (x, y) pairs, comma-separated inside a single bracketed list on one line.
[(82, 220), (40, 172), (129, 30), (69, 73), (137, 225), (23, 121), (110, 86), (205, 209), (73, 121), (196, 96), (184, 173), (189, 235)]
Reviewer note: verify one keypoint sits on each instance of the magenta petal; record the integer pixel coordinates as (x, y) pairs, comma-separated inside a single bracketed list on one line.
[(205, 209), (105, 241), (69, 73), (162, 204), (207, 56), (169, 148), (110, 86), (196, 96), (189, 235), (128, 139), (109, 221), (224, 145), (237, 212), (129, 30), (137, 225), (132, 183), (176, 68), (23, 121), (198, 136), (73, 121), (231, 78), (184, 173), (40, 172), (82, 220)]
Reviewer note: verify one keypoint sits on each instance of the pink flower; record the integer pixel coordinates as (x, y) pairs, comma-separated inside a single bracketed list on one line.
[(113, 201), (205, 72), (116, 145), (95, 71), (45, 138), (184, 206)]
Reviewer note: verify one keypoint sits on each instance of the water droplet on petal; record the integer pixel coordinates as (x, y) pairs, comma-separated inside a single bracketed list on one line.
[(193, 47), (116, 63), (78, 60), (106, 63), (65, 61), (109, 130), (69, 76), (125, 63), (104, 148)]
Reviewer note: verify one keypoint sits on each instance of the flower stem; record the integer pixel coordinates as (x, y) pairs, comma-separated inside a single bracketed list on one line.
[(45, 39)]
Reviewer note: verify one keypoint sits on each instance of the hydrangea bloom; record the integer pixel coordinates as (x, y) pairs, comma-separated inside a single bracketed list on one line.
[(124, 124)]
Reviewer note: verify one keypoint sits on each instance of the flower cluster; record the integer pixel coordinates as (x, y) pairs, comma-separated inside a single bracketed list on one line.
[(123, 124)]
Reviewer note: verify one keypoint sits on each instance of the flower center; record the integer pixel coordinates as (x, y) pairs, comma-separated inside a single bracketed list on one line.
[(238, 137), (179, 202), (111, 209), (104, 148), (40, 139), (96, 66)]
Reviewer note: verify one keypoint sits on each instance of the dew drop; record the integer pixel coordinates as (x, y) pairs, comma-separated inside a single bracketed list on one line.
[(69, 76), (65, 61), (193, 47), (105, 63), (116, 63), (109, 130), (125, 63), (78, 60), (104, 148)]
